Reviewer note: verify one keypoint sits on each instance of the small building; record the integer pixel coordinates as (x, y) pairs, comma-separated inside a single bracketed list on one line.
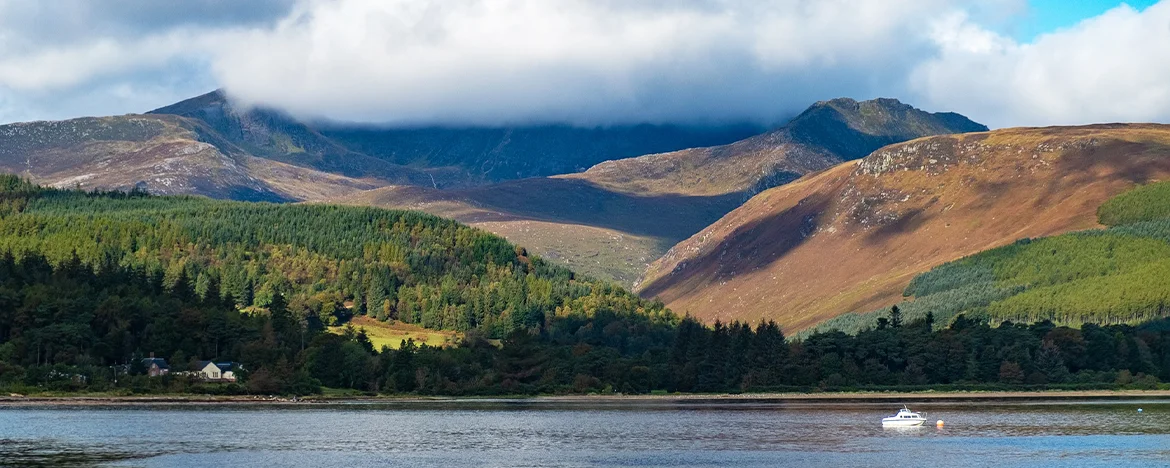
[(217, 371), (156, 366)]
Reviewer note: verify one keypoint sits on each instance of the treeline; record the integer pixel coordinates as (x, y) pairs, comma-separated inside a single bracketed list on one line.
[(78, 327), (75, 326), (1107, 276), (328, 262)]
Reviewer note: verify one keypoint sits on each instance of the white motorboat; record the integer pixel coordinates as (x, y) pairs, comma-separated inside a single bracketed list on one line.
[(904, 418)]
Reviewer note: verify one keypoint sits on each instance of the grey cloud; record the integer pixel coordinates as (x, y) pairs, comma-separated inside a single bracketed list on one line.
[(49, 22)]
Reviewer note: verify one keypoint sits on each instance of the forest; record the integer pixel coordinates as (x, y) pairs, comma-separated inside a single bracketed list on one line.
[(328, 262), (76, 328), (1115, 275), (90, 283)]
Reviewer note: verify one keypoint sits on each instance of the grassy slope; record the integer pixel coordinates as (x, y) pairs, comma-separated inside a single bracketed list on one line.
[(851, 238), (393, 334)]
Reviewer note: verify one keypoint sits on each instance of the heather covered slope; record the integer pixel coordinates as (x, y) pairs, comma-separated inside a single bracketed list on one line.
[(824, 135), (852, 237)]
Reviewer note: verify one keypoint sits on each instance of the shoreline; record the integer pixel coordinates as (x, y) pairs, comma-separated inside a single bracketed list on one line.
[(1071, 396)]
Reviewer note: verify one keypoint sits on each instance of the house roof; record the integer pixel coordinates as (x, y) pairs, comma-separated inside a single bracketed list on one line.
[(223, 366), (160, 362)]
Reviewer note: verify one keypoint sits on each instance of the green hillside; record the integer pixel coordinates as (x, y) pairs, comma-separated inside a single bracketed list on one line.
[(1146, 203), (329, 262), (1107, 276)]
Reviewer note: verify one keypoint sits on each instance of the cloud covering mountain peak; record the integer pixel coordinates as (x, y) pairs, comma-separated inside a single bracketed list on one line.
[(490, 62)]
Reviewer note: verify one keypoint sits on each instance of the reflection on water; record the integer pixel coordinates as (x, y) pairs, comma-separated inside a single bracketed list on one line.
[(54, 453), (586, 434)]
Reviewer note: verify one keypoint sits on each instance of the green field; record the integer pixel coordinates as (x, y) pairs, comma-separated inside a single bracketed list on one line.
[(393, 334)]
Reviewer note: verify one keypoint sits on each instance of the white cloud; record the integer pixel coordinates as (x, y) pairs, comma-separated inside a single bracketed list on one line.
[(579, 61), (478, 61), (1115, 67)]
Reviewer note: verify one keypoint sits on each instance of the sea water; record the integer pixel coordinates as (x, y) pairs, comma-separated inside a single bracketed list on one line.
[(528, 433)]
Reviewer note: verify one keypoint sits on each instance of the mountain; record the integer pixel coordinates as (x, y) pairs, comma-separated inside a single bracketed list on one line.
[(851, 238), (614, 219), (163, 154), (207, 145), (440, 156), (272, 134), (827, 133), (610, 221)]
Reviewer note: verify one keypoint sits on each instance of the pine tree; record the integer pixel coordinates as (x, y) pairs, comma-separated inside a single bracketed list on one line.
[(895, 317)]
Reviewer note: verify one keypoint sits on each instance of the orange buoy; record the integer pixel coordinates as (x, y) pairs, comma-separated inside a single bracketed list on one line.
[(939, 423)]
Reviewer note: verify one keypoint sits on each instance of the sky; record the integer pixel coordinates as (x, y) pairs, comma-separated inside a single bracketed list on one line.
[(589, 62)]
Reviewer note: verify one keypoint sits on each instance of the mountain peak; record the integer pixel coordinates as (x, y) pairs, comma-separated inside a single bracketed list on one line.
[(190, 106), (852, 129)]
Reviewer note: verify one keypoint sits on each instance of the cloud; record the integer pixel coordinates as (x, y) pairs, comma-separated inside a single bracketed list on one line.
[(490, 61), (494, 62), (69, 58), (1115, 67)]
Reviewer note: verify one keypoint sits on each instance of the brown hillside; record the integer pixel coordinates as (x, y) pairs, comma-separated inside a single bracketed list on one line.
[(850, 238)]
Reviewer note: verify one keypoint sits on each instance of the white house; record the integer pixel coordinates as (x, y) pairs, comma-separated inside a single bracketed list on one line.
[(217, 371)]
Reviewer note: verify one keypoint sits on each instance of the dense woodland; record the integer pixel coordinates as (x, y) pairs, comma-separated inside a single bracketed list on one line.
[(1116, 275), (329, 262), (92, 282)]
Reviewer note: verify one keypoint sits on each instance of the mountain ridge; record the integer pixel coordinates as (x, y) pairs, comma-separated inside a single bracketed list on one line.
[(594, 221), (825, 134), (615, 218), (454, 156)]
